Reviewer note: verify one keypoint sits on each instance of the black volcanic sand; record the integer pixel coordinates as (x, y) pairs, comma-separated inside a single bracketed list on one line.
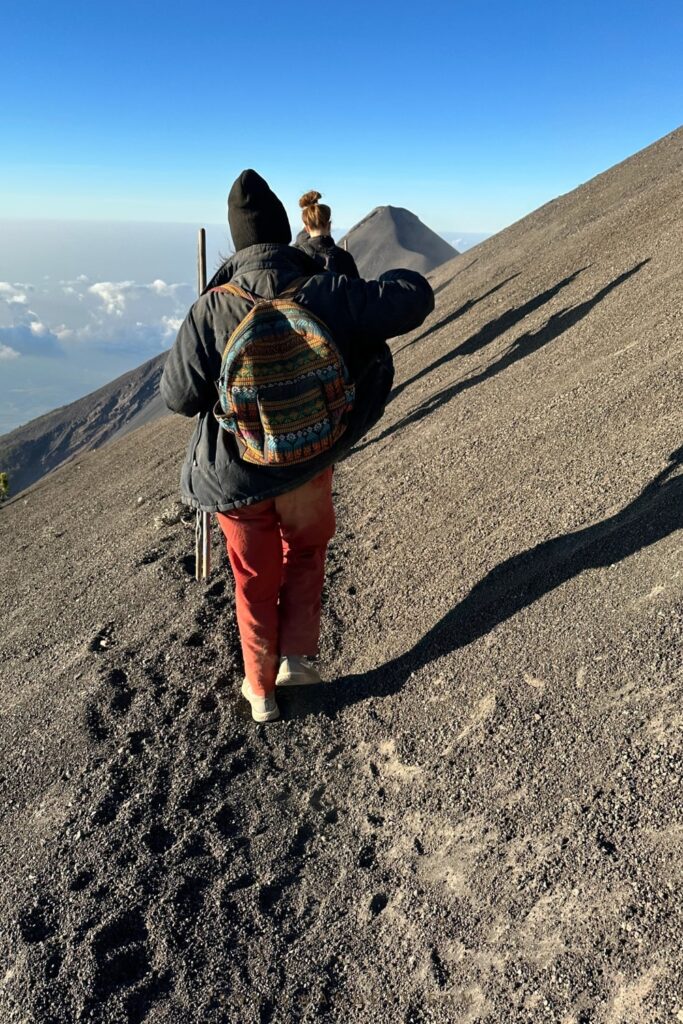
[(479, 819)]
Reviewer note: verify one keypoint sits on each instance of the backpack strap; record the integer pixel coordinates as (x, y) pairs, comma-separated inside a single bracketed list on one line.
[(242, 293), (235, 289), (291, 289)]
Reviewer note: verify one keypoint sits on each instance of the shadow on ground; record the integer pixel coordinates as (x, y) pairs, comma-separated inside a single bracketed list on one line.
[(521, 347), (513, 585), (450, 318), (450, 280)]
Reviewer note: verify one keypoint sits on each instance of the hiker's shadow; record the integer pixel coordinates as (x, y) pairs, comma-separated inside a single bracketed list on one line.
[(515, 584), (444, 322), (523, 346)]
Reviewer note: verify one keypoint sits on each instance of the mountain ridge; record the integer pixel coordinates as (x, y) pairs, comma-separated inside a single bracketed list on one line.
[(30, 451)]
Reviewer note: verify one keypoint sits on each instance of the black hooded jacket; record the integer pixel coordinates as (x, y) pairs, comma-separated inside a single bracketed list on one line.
[(330, 256), (360, 314)]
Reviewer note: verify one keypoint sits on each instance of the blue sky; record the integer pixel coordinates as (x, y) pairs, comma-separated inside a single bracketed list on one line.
[(470, 114)]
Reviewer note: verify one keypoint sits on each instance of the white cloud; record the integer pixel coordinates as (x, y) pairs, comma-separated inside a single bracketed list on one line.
[(31, 339), (172, 324), (8, 353), (113, 294), (161, 288), (114, 334), (76, 281), (121, 296), (14, 293), (78, 315)]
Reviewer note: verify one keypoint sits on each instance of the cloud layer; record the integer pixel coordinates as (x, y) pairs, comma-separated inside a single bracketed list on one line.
[(57, 317)]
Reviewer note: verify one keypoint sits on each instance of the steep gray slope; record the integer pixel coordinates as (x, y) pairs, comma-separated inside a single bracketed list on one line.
[(479, 818), (393, 237), (36, 448)]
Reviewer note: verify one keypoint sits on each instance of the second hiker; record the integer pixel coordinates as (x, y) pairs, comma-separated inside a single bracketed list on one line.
[(278, 518), (317, 241)]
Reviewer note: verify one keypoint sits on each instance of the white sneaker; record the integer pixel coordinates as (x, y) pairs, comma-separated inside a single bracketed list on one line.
[(263, 709), (295, 671)]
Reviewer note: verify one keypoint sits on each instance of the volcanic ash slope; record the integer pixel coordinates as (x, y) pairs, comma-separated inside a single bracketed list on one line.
[(34, 449), (480, 818)]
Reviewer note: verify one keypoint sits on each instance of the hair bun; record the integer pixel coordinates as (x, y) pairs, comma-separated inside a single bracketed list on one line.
[(309, 199)]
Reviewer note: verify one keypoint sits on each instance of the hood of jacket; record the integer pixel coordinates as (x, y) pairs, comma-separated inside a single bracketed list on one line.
[(272, 265)]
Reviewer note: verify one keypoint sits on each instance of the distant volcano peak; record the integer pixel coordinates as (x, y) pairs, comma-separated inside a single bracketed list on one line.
[(391, 236)]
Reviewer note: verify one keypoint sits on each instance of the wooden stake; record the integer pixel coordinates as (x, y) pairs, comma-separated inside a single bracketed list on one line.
[(202, 528)]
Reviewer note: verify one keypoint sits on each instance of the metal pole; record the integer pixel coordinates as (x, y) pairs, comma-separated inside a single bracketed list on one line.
[(202, 529)]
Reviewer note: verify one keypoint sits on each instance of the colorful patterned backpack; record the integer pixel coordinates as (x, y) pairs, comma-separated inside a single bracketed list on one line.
[(284, 390)]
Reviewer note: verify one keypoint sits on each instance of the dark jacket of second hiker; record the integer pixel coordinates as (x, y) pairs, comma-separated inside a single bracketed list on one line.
[(360, 314), (328, 255)]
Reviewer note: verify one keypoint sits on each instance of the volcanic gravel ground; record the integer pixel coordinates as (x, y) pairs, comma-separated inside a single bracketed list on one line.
[(478, 819)]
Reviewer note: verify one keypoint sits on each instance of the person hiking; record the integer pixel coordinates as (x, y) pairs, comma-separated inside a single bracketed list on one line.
[(278, 519), (316, 238)]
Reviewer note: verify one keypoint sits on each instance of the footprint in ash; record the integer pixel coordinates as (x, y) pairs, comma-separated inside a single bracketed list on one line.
[(112, 700)]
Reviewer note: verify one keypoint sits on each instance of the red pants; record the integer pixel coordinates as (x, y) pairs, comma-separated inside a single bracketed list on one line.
[(277, 553)]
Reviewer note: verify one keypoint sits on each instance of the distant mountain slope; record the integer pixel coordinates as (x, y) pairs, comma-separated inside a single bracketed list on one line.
[(393, 237), (478, 817), (32, 450)]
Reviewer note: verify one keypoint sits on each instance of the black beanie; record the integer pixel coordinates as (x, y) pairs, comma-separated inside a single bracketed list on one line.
[(255, 214)]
